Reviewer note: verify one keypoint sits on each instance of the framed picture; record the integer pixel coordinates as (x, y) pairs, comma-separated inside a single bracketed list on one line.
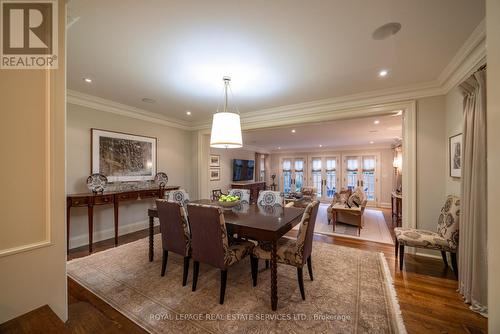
[(122, 156), (214, 174), (456, 155), (214, 160)]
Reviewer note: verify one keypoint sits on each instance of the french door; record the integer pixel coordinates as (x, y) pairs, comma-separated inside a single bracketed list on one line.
[(292, 174), (324, 176), (362, 171)]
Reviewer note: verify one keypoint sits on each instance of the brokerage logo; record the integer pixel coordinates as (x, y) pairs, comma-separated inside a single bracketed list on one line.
[(28, 34)]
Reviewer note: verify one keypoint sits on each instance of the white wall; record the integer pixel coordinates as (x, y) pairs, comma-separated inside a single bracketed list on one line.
[(174, 155), (226, 165), (493, 117), (454, 125)]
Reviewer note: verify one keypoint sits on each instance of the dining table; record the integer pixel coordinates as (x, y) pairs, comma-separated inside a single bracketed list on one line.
[(254, 222)]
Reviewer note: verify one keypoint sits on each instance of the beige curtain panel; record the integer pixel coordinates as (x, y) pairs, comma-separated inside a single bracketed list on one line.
[(472, 251)]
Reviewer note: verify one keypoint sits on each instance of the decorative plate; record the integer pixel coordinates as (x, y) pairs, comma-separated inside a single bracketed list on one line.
[(97, 183), (161, 179)]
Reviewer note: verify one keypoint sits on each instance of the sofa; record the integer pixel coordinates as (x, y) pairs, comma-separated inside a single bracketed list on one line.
[(348, 207)]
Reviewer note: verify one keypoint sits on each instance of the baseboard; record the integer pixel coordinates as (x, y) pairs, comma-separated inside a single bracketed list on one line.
[(385, 205), (83, 239)]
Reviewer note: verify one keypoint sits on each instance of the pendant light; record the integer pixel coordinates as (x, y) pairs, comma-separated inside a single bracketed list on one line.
[(226, 126)]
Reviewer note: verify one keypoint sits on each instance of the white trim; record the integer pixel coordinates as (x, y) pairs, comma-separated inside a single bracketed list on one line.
[(83, 239), (409, 170)]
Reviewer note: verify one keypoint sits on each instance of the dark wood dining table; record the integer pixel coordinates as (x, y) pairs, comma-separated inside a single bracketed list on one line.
[(260, 223)]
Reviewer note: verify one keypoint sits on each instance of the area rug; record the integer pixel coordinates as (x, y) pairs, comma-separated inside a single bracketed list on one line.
[(352, 292)]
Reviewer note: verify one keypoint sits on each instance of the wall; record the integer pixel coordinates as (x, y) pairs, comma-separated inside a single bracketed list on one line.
[(493, 117), (454, 125), (174, 157), (386, 169), (226, 165), (32, 200)]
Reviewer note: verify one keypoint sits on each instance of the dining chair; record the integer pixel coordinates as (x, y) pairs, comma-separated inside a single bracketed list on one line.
[(180, 196), (269, 197), (294, 252), (216, 194), (175, 234), (243, 194), (210, 244)]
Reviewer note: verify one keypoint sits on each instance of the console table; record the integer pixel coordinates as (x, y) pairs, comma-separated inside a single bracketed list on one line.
[(254, 188), (89, 200), (397, 208)]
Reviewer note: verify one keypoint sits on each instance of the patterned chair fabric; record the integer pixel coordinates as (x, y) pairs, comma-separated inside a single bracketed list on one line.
[(270, 198), (446, 237), (174, 227), (243, 194), (207, 226), (309, 193), (293, 251), (179, 196)]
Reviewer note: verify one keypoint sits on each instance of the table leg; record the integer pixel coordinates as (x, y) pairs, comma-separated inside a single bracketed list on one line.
[(334, 219), (68, 217), (151, 238), (90, 210), (274, 277), (115, 204)]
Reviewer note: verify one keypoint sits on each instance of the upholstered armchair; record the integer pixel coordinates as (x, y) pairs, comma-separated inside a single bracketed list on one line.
[(210, 243), (445, 239), (309, 193), (179, 196), (270, 198), (243, 194), (175, 234), (294, 252)]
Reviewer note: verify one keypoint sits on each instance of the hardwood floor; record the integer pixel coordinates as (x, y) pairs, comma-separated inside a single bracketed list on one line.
[(426, 291)]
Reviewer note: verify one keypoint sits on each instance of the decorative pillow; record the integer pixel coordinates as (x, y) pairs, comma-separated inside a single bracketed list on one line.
[(354, 200), (342, 196)]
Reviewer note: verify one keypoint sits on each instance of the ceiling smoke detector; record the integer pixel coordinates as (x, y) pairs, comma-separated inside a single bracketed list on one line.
[(148, 100), (386, 31)]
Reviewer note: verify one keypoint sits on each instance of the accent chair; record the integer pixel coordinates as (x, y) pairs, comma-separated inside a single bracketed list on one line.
[(243, 194), (270, 198)]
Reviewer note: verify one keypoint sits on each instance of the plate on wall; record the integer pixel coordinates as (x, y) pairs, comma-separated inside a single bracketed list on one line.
[(97, 183), (161, 179)]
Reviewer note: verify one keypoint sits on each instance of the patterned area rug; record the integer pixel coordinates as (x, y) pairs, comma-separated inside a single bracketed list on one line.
[(352, 292)]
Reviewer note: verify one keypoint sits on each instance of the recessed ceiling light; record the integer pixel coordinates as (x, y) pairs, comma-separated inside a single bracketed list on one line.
[(188, 113), (148, 100), (372, 142), (279, 147), (320, 145), (376, 122), (87, 80), (399, 113), (386, 31), (383, 73), (293, 131)]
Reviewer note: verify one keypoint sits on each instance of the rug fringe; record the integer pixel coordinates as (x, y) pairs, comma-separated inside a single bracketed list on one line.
[(392, 292)]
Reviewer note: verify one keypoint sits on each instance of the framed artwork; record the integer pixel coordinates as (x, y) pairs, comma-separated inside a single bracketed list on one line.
[(122, 156), (214, 174), (456, 155), (214, 160)]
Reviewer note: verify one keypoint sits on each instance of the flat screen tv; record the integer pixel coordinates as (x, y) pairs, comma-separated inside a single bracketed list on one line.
[(243, 170)]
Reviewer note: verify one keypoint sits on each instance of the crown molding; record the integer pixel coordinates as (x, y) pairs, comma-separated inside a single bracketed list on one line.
[(334, 150), (98, 103)]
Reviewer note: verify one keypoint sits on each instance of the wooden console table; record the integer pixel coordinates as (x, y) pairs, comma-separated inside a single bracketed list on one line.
[(89, 200), (397, 208), (254, 188)]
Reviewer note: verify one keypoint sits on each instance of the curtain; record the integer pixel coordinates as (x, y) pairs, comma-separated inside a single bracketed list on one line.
[(352, 164), (472, 251)]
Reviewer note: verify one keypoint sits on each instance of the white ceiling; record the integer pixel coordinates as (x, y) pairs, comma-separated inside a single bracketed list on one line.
[(331, 135), (278, 52)]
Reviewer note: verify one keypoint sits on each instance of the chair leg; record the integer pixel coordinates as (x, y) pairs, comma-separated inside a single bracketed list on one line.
[(401, 256), (164, 262), (254, 262), (267, 264), (223, 280), (396, 247), (196, 268), (310, 268), (300, 278), (445, 260), (454, 263), (186, 269)]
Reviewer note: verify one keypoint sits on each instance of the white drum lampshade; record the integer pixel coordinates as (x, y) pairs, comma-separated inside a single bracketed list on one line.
[(226, 131)]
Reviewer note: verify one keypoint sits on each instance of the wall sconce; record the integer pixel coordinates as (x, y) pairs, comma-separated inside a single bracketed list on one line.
[(397, 163)]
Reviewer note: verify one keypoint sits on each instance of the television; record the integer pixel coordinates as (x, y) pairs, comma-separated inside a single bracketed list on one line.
[(243, 170)]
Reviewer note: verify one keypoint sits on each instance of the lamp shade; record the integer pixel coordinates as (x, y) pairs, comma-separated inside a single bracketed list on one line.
[(226, 130)]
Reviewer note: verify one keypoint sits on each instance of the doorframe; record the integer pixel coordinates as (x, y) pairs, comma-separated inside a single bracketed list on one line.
[(408, 108), (338, 173), (360, 154)]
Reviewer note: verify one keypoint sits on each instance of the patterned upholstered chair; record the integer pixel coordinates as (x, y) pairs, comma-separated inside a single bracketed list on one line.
[(444, 240), (210, 243), (271, 198), (243, 194), (175, 234), (216, 194), (309, 193), (294, 252), (179, 196)]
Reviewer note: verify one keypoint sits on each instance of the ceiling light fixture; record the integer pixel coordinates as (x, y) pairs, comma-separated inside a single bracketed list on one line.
[(383, 73), (148, 100), (226, 125), (279, 147), (188, 113), (293, 131), (372, 142), (387, 30), (87, 80), (376, 122), (320, 145)]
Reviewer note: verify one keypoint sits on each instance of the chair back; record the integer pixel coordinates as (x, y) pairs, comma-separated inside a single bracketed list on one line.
[(448, 222), (174, 227), (179, 196), (243, 194), (216, 194), (209, 240), (306, 231), (268, 197)]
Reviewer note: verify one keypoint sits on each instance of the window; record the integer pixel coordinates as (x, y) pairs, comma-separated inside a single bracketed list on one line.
[(299, 174), (352, 172), (316, 176), (331, 177), (287, 176), (369, 163), (262, 173)]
